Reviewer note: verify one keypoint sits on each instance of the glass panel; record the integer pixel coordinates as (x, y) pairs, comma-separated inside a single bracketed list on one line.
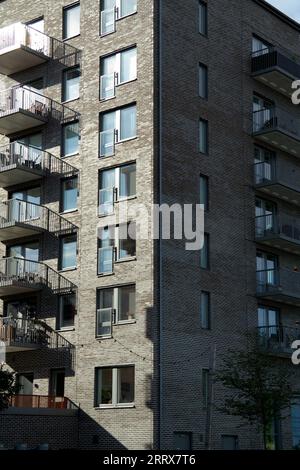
[(105, 260), (107, 143), (70, 192), (127, 245), (204, 253), (71, 21), (108, 24), (69, 255), (108, 65), (108, 121), (204, 191), (203, 136), (106, 201), (295, 414), (203, 81), (259, 47), (204, 310), (71, 84), (202, 18), (128, 65), (106, 298), (128, 7), (67, 311), (105, 382), (126, 303), (70, 139), (128, 122), (126, 385), (107, 86), (127, 181), (104, 322)]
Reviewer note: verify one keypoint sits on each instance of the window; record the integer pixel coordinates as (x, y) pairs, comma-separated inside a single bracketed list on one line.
[(263, 115), (205, 387), (71, 81), (182, 441), (114, 386), (203, 18), (204, 195), (117, 69), (203, 136), (205, 310), (295, 418), (268, 323), (112, 10), (67, 311), (115, 244), (260, 47), (264, 165), (204, 253), (27, 251), (116, 184), (71, 21), (116, 126), (71, 138), (115, 305), (265, 217), (24, 205), (69, 194), (38, 24), (203, 81), (266, 270), (68, 252), (230, 442)]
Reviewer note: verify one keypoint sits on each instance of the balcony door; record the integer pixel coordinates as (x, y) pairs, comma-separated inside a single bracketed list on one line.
[(262, 112), (265, 165), (268, 322), (57, 388), (266, 269), (24, 205), (265, 216), (28, 252)]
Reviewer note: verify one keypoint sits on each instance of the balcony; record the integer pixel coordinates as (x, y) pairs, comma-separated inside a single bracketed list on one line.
[(279, 285), (277, 340), (276, 127), (21, 109), (41, 405), (22, 164), (20, 276), (21, 219), (275, 69), (22, 47), (278, 178), (281, 231)]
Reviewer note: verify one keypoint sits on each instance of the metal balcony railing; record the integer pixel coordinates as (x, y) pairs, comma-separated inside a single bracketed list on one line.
[(278, 281), (33, 215), (23, 98), (278, 224), (277, 338), (268, 119), (33, 274), (42, 401), (21, 35), (273, 57)]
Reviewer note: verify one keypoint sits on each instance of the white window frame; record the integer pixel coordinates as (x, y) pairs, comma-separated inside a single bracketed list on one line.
[(117, 71), (115, 386), (116, 187), (115, 306), (117, 16)]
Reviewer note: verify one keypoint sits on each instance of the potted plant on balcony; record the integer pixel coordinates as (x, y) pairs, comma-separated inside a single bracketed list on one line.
[(8, 387)]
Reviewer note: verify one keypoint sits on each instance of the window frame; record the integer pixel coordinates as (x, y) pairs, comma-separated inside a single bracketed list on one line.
[(65, 9), (64, 82), (117, 16), (114, 386), (61, 251), (63, 155), (117, 184), (117, 72), (117, 128)]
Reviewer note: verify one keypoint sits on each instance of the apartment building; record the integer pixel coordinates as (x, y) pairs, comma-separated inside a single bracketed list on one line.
[(106, 103)]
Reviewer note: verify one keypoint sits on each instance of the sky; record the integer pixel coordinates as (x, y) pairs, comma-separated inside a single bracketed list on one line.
[(289, 7)]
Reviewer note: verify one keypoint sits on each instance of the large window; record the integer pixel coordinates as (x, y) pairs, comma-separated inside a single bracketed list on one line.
[(115, 305), (67, 311), (116, 184), (71, 21), (115, 244), (71, 139), (68, 252), (203, 18), (69, 194), (112, 10), (205, 310), (117, 69), (203, 136), (116, 126), (114, 386), (203, 81), (71, 82)]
